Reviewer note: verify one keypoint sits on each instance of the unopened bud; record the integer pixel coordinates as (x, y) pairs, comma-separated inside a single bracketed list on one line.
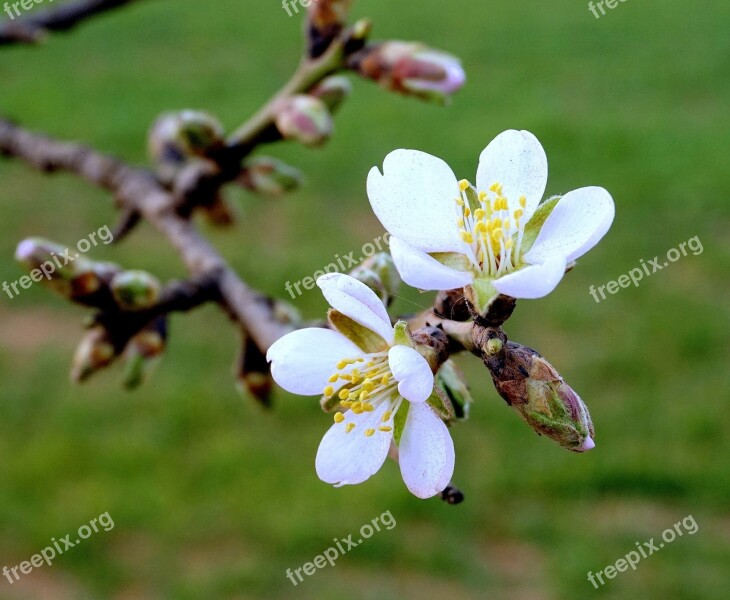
[(135, 290), (253, 373), (143, 352), (95, 352), (411, 68), (176, 137), (269, 176), (305, 119), (65, 272), (532, 387), (333, 91)]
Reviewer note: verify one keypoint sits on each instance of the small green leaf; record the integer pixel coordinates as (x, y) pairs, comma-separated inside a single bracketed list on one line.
[(368, 341)]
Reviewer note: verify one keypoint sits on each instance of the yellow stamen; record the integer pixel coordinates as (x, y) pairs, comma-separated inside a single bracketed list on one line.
[(386, 416), (349, 427), (369, 432), (467, 237), (339, 417), (523, 201), (329, 391), (385, 379), (344, 393), (385, 429), (463, 185)]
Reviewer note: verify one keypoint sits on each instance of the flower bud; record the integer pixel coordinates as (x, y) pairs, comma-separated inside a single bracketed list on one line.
[(176, 137), (253, 373), (143, 352), (379, 273), (95, 352), (305, 119), (135, 290), (537, 392), (333, 91), (68, 274), (269, 176), (411, 68)]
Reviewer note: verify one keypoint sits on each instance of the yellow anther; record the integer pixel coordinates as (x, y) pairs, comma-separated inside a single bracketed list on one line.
[(385, 429), (363, 395), (518, 214), (329, 391), (344, 393), (479, 214), (496, 223), (339, 417), (463, 185), (467, 237), (345, 404), (482, 196), (349, 427), (386, 416), (498, 234), (369, 432), (341, 365), (370, 364), (481, 227), (368, 407), (385, 379), (496, 188), (460, 223), (459, 201), (333, 378), (523, 201)]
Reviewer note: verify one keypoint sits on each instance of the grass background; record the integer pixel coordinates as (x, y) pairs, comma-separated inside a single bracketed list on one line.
[(214, 498)]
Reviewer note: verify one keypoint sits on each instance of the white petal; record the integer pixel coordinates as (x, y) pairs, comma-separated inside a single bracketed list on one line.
[(413, 373), (426, 452), (351, 458), (303, 361), (424, 272), (533, 281), (357, 301), (517, 160), (414, 200), (578, 222)]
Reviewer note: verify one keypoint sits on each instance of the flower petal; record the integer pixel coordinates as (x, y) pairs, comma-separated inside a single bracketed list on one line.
[(414, 200), (578, 222), (426, 452), (424, 272), (350, 458), (413, 373), (303, 361), (533, 281), (357, 301), (516, 160)]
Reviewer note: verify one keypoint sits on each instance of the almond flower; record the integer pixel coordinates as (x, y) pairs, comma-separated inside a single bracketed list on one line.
[(496, 238), (382, 384)]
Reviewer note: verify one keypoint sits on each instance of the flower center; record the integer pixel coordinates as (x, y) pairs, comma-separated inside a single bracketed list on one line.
[(367, 385), (494, 229)]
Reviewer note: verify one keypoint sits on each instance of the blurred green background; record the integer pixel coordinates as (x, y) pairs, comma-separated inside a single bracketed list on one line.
[(213, 497)]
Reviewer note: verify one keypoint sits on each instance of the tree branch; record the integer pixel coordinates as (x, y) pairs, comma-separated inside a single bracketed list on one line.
[(32, 28)]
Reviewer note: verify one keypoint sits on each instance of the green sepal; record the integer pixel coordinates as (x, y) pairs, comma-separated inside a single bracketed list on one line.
[(451, 381), (399, 421), (402, 335), (481, 293), (534, 225), (368, 341), (440, 402), (453, 260), (472, 198)]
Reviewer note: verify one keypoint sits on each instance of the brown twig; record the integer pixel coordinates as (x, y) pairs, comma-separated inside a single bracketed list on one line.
[(33, 27)]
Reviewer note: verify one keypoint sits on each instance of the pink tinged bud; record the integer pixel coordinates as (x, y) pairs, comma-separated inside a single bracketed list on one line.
[(305, 119), (333, 91), (413, 69), (269, 176)]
